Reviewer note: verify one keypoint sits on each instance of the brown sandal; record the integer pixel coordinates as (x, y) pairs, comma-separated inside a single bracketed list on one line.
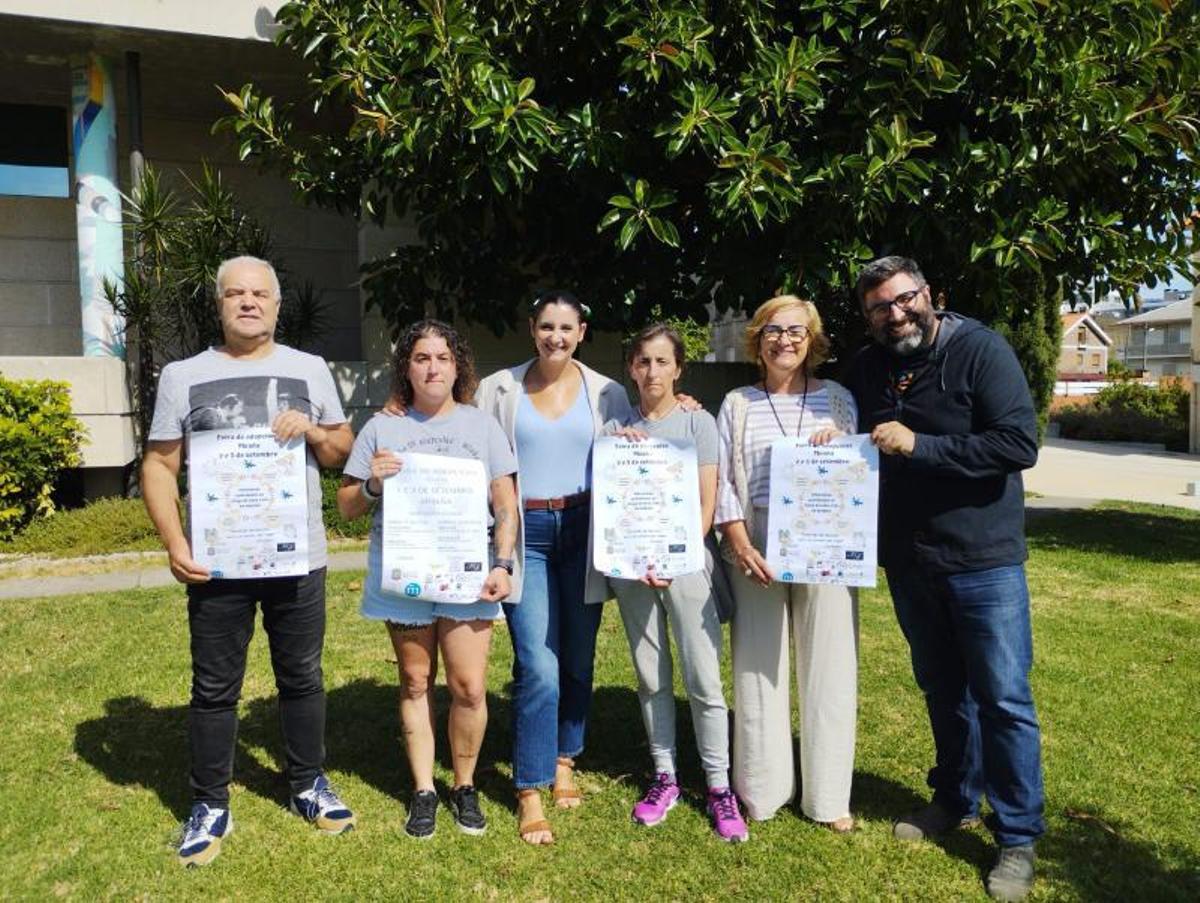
[(528, 829), (564, 795)]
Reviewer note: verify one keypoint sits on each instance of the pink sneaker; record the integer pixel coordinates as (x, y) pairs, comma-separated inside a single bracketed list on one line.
[(726, 816), (658, 801)]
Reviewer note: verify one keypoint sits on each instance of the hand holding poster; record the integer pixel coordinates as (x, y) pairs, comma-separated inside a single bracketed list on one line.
[(435, 542), (645, 507), (249, 503), (823, 508)]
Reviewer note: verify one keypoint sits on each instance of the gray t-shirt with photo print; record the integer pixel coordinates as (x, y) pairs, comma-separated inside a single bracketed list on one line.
[(214, 391)]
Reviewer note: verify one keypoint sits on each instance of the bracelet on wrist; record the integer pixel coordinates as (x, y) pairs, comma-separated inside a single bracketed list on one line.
[(365, 488), (507, 563)]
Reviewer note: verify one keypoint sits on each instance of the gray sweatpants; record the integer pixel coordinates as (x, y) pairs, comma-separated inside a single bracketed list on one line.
[(688, 606)]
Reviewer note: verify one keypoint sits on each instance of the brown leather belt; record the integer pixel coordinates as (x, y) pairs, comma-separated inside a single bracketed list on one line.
[(558, 504)]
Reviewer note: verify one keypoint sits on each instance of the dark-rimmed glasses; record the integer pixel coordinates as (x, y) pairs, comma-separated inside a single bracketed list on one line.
[(905, 301)]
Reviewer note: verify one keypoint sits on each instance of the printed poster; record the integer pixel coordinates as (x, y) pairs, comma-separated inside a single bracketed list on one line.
[(822, 517), (645, 508), (249, 503), (435, 529)]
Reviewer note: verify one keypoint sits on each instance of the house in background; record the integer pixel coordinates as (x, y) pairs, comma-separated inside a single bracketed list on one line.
[(1159, 343), (1084, 351)]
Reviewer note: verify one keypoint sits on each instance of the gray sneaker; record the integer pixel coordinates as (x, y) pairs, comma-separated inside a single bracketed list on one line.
[(1012, 876), (930, 822)]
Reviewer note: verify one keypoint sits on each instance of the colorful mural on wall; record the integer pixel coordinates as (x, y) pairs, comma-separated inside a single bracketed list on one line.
[(97, 204)]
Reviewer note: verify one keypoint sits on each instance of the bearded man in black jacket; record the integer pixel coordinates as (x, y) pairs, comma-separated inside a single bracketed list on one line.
[(947, 404)]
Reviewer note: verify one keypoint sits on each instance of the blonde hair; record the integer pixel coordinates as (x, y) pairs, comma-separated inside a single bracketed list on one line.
[(818, 342)]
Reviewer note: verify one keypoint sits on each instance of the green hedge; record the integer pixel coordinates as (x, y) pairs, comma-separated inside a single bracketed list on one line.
[(39, 438), (98, 528), (1132, 412), (335, 524)]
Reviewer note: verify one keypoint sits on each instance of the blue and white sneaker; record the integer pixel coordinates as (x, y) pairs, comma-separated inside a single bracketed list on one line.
[(320, 806), (203, 832)]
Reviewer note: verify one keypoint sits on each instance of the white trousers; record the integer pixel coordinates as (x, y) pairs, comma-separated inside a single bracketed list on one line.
[(822, 622)]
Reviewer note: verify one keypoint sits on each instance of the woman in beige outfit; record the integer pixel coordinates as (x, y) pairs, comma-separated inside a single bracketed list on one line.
[(785, 336)]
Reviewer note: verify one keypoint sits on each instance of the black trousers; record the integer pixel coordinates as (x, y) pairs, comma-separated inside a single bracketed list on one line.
[(221, 619)]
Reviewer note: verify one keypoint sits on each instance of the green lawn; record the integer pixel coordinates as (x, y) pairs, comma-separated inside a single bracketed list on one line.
[(94, 764)]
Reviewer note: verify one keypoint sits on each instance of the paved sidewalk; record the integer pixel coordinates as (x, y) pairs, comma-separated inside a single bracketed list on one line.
[(150, 571), (1071, 470)]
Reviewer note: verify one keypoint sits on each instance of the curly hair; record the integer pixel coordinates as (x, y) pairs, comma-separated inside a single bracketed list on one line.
[(465, 380), (818, 342)]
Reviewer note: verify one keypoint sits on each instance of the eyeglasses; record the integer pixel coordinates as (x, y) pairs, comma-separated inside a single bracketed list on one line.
[(905, 301), (797, 332)]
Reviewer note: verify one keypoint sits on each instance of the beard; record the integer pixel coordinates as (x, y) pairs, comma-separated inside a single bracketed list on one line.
[(912, 341)]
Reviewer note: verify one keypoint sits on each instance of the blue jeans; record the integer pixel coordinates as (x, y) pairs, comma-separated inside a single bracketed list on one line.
[(554, 643), (972, 648)]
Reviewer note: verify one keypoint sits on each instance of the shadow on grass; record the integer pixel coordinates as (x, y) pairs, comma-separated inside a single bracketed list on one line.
[(1093, 857), (362, 737), (1149, 533), (135, 744), (1089, 854)]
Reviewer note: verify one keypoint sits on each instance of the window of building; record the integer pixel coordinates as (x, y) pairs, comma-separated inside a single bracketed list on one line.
[(1082, 335), (1095, 359), (1156, 336), (1079, 360), (33, 150)]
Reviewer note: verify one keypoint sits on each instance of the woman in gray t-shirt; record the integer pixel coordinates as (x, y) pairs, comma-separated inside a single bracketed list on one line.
[(434, 375), (687, 603)]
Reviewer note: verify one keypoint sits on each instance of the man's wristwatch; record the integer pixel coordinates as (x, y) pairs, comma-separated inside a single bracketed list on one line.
[(365, 488), (506, 563)]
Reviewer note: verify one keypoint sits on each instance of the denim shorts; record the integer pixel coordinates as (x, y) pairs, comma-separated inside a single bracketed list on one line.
[(416, 613), (380, 606)]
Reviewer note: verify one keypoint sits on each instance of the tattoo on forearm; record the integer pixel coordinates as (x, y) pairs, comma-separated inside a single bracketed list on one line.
[(505, 532)]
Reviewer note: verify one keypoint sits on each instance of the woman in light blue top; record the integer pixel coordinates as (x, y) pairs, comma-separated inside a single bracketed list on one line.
[(552, 408)]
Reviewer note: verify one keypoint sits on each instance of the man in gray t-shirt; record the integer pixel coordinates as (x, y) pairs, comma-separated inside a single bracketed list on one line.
[(249, 381)]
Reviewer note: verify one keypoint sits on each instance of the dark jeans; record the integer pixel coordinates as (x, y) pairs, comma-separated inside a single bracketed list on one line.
[(221, 618), (554, 645), (972, 649)]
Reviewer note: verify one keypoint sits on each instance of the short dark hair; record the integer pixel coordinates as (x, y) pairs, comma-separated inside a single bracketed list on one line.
[(559, 296), (877, 272), (656, 331), (464, 361)]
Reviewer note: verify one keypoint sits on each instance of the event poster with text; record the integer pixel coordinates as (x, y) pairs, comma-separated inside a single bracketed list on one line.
[(823, 508), (248, 503), (646, 507), (435, 529)]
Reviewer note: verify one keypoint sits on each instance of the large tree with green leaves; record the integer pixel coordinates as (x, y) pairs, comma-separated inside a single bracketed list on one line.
[(677, 152)]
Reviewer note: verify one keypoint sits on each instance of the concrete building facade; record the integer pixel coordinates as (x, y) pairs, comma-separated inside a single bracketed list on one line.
[(1159, 343)]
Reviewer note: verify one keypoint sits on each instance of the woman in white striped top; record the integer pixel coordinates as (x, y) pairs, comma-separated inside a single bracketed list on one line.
[(786, 338)]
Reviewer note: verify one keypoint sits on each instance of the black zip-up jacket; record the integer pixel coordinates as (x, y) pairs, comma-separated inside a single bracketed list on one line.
[(958, 504)]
